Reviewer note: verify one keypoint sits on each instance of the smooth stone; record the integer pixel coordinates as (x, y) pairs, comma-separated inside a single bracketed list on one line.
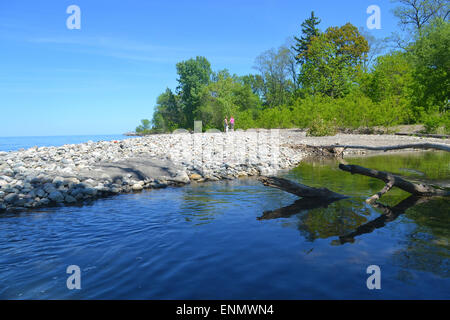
[(136, 187), (70, 199), (40, 193), (10, 190), (90, 191), (58, 180), (11, 198), (90, 183), (44, 201), (35, 180), (49, 187), (181, 177), (20, 202), (56, 196), (195, 176), (8, 172)]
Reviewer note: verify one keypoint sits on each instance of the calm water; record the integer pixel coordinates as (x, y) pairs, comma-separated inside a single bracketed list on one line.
[(16, 143), (214, 241)]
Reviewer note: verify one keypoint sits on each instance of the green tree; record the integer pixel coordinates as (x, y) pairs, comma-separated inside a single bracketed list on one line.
[(275, 68), (335, 58), (309, 30), (431, 58), (392, 76), (193, 75), (168, 112), (225, 96), (255, 82), (144, 127)]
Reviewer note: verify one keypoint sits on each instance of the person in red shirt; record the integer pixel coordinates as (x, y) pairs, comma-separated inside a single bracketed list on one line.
[(232, 123)]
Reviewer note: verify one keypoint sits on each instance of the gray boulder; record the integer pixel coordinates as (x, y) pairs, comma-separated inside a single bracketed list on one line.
[(56, 196), (11, 198), (70, 199)]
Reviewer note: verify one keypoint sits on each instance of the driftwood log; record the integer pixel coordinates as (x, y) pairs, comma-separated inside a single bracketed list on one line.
[(299, 189), (391, 180), (417, 189), (338, 150)]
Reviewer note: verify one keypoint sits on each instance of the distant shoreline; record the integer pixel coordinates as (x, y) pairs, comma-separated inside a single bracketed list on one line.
[(26, 142)]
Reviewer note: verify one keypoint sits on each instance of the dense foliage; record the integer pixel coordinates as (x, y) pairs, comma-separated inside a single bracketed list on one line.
[(323, 81)]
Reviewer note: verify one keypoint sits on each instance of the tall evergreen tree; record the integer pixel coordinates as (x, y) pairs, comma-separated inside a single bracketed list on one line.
[(309, 30)]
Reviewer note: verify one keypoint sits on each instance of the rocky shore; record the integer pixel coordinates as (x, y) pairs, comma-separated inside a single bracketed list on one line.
[(73, 174)]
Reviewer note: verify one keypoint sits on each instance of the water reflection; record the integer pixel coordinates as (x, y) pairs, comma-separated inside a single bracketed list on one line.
[(389, 214), (424, 228), (426, 247), (296, 207)]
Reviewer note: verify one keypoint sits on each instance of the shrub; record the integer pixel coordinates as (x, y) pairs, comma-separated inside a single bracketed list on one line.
[(320, 128), (432, 123)]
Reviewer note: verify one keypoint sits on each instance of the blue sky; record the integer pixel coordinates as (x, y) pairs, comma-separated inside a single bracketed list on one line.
[(105, 77)]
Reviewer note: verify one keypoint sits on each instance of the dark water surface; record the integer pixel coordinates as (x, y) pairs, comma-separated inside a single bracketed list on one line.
[(212, 241), (16, 143)]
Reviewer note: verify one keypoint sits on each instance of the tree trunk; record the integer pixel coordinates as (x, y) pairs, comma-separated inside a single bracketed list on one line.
[(300, 190), (418, 189), (425, 146)]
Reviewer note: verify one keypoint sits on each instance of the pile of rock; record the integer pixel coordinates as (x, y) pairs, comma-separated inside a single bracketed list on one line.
[(46, 176)]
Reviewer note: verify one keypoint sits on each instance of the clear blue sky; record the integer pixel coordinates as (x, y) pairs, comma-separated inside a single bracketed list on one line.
[(104, 78)]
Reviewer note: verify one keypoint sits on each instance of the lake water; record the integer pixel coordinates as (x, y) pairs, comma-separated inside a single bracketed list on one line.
[(214, 241), (16, 143)]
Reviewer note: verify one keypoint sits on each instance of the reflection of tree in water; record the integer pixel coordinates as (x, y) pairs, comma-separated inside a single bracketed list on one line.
[(427, 248), (319, 219), (339, 218), (202, 203)]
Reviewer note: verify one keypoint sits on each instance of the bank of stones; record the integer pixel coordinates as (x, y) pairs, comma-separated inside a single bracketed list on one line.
[(73, 174)]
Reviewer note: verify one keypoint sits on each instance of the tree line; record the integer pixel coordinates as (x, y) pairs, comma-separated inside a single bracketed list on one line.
[(325, 80)]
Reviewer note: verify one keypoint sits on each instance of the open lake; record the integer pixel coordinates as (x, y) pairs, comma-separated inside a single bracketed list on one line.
[(16, 143), (223, 240)]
